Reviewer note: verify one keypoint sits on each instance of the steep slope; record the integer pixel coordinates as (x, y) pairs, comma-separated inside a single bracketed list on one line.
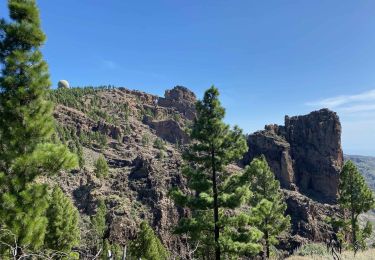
[(141, 137), (128, 128)]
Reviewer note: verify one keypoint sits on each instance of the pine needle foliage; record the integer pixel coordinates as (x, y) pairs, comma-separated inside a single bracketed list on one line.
[(99, 220), (26, 127), (355, 197), (63, 218), (268, 211), (214, 192), (147, 245), (101, 167)]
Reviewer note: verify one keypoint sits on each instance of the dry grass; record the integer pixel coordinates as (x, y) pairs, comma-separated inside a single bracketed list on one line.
[(366, 255)]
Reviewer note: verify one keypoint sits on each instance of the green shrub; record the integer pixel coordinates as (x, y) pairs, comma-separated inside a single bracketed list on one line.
[(162, 154), (145, 140), (148, 112), (159, 144), (101, 167), (176, 117), (316, 249)]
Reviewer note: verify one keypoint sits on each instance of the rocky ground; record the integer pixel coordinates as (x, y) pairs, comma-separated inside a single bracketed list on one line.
[(141, 137)]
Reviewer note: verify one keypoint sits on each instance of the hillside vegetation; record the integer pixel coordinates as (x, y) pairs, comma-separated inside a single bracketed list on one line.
[(366, 165)]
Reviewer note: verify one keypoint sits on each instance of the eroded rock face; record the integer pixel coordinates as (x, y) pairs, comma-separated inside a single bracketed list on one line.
[(181, 99), (308, 220), (305, 154), (277, 151), (169, 130)]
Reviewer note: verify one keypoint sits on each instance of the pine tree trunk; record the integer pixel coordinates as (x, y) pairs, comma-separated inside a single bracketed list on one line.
[(124, 253), (267, 245), (354, 235), (216, 208)]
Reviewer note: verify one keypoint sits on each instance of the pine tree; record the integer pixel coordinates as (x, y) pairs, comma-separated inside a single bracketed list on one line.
[(63, 218), (214, 191), (99, 226), (101, 167), (26, 127), (147, 245), (81, 159), (268, 212), (116, 252), (355, 197)]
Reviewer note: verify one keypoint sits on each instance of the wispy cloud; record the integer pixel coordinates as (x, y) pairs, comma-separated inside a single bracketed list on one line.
[(361, 102), (357, 115)]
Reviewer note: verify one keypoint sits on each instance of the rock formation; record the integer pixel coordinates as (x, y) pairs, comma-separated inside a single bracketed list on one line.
[(181, 99), (305, 154)]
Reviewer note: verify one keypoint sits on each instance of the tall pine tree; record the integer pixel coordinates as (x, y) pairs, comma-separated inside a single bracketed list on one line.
[(63, 218), (355, 197), (268, 211), (214, 190), (26, 126), (99, 226), (147, 245)]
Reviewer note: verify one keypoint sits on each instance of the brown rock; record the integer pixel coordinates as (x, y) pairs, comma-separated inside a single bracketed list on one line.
[(305, 154), (181, 99), (308, 218), (169, 130), (316, 149), (108, 129)]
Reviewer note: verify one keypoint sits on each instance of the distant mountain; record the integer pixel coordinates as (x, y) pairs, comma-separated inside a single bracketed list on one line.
[(366, 164)]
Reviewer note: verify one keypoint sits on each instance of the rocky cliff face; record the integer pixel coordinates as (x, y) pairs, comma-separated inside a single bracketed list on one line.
[(305, 154), (140, 136)]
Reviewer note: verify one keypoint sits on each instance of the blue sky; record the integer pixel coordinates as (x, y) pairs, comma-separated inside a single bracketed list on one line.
[(268, 58)]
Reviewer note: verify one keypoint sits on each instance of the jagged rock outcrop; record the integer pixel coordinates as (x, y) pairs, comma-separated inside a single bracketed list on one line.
[(180, 98), (304, 151), (305, 154), (308, 221), (277, 151), (308, 216)]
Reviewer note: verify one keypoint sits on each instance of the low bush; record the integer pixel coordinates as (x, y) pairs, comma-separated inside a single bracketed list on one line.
[(316, 249)]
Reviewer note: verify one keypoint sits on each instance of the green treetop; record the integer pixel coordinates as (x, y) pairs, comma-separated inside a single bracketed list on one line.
[(147, 245), (63, 231), (101, 167), (356, 197), (26, 126), (268, 211), (214, 190)]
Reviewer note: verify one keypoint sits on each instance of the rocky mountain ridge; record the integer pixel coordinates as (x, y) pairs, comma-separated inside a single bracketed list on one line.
[(141, 136)]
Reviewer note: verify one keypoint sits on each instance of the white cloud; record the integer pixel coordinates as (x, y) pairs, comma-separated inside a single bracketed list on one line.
[(340, 101), (357, 115), (359, 108)]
